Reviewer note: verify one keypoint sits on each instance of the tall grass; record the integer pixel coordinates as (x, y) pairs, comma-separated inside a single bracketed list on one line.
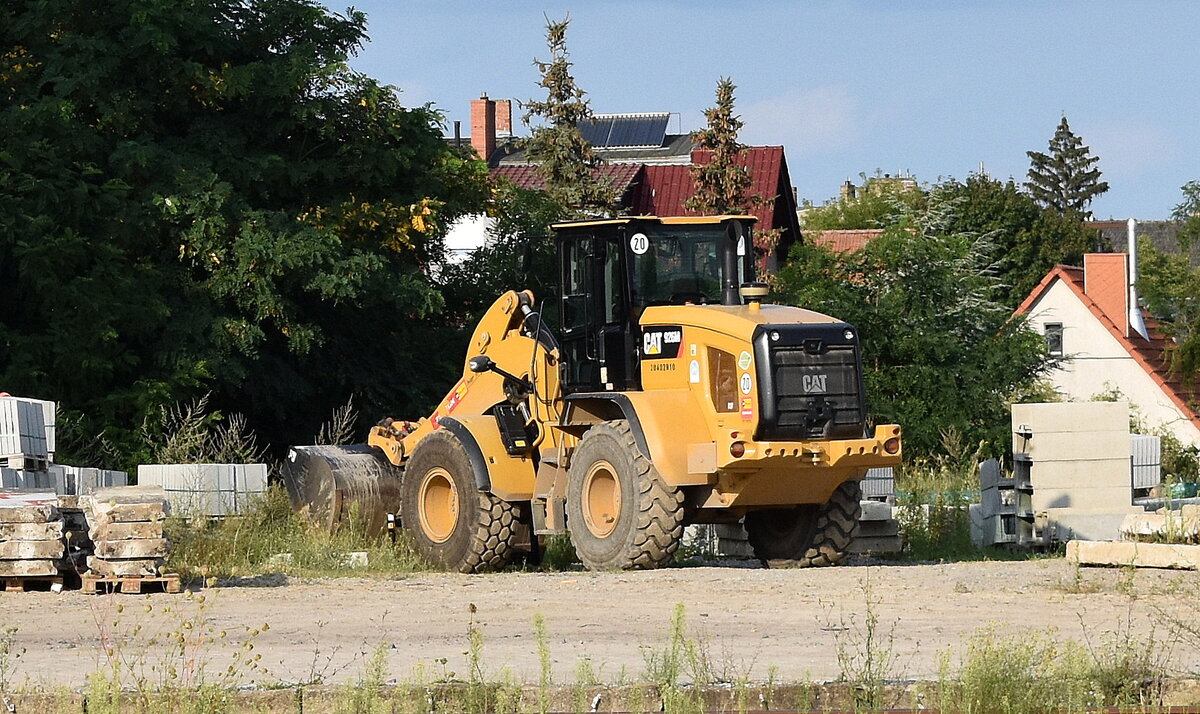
[(269, 537)]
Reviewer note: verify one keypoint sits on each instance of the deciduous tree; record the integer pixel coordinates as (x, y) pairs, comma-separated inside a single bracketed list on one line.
[(204, 196), (939, 351)]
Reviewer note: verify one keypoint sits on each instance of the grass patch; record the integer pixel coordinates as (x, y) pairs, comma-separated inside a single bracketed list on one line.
[(269, 537)]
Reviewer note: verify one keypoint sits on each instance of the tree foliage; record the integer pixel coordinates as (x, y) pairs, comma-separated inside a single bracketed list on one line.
[(723, 182), (1170, 287), (203, 196), (565, 160), (1066, 179), (939, 352), (879, 202), (1028, 240)]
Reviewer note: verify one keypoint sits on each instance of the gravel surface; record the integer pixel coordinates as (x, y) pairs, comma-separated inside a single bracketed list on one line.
[(751, 622)]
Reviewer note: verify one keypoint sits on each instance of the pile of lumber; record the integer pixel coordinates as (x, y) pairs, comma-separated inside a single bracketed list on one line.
[(125, 525), (31, 536)]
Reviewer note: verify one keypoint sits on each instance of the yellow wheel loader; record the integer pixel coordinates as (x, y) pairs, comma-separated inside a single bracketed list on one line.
[(668, 395)]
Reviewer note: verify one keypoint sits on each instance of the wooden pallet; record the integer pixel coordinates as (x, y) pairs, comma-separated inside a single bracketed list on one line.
[(29, 583), (128, 584)]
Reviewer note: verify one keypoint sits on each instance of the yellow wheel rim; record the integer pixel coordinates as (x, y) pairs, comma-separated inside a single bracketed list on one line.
[(437, 505), (601, 499)]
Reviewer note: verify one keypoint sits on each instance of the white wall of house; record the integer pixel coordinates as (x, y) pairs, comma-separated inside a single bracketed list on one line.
[(1096, 362)]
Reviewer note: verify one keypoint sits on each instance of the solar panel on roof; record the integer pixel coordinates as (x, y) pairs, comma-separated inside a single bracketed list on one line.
[(596, 132), (625, 130)]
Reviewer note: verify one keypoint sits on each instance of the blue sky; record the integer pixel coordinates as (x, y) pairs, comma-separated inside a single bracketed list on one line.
[(931, 88)]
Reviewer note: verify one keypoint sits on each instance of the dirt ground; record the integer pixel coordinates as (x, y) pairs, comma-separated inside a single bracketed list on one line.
[(751, 621)]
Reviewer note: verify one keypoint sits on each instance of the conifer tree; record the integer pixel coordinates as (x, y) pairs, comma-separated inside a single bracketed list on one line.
[(1065, 180), (722, 183), (566, 161)]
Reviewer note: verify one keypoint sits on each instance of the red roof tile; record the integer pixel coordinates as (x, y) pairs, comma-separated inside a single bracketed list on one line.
[(843, 241), (622, 176), (1151, 354), (666, 189)]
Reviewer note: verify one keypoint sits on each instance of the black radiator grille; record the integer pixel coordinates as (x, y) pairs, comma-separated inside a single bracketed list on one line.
[(810, 384)]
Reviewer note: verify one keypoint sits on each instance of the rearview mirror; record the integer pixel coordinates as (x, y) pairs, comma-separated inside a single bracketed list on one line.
[(482, 363)]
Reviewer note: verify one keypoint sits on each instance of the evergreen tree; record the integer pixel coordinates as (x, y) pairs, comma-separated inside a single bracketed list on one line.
[(1065, 180), (722, 182), (566, 161)]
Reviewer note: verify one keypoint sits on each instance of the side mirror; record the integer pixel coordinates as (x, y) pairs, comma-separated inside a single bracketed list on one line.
[(482, 363)]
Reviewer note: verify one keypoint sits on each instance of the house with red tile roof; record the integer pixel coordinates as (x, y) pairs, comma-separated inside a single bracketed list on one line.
[(1104, 345), (649, 169), (842, 240)]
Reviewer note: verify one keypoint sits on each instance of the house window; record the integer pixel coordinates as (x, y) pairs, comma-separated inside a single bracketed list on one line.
[(1054, 338)]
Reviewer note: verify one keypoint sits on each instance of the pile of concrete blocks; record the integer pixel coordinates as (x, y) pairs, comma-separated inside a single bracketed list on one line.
[(1166, 539), (31, 536), (80, 480), (732, 541), (212, 490), (1164, 526), (26, 442), (878, 531), (125, 525), (1075, 456)]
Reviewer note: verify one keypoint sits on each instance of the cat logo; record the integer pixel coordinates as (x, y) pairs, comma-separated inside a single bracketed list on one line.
[(661, 342), (814, 383)]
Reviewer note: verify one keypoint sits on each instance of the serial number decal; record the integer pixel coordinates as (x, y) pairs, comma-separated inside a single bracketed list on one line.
[(661, 342), (663, 367)]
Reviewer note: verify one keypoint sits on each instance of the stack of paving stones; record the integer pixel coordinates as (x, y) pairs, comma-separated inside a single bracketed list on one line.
[(125, 526), (31, 540)]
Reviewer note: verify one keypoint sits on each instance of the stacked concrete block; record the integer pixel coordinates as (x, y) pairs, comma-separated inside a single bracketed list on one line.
[(878, 531), (31, 535), (732, 541), (23, 435), (879, 484), (125, 525), (82, 480), (1076, 457), (207, 489)]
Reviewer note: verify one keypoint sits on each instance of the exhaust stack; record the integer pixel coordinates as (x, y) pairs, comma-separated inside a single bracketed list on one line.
[(1136, 323)]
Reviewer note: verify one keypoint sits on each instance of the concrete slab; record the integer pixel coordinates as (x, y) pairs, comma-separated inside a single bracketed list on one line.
[(27, 568), (133, 567), (139, 548), (1138, 555), (31, 549), (31, 531)]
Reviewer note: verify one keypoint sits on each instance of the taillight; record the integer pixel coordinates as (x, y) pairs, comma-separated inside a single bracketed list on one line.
[(892, 445), (737, 449)]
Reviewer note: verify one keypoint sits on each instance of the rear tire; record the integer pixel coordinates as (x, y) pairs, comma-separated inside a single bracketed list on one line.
[(807, 536), (450, 522), (621, 514)]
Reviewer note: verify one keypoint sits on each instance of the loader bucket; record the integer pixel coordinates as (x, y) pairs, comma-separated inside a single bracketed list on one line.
[(328, 483)]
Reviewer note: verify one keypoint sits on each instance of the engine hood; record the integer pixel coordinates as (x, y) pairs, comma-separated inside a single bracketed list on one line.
[(737, 321)]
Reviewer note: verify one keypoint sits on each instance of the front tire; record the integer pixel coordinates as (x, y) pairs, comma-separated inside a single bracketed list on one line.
[(807, 536), (621, 514), (450, 522)]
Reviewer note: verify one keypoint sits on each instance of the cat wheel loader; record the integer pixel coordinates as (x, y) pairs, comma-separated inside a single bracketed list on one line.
[(669, 394)]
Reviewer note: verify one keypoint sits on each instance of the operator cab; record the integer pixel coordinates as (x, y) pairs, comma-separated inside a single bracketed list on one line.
[(611, 270)]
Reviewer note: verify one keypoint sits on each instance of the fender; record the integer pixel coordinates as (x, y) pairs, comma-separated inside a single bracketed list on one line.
[(510, 478), (656, 420), (594, 407)]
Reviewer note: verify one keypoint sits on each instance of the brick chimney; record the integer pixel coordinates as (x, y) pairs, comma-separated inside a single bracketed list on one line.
[(504, 117), (1106, 281), (483, 126)]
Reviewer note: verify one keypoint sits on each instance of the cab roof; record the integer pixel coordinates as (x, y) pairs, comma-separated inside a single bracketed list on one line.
[(665, 220)]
